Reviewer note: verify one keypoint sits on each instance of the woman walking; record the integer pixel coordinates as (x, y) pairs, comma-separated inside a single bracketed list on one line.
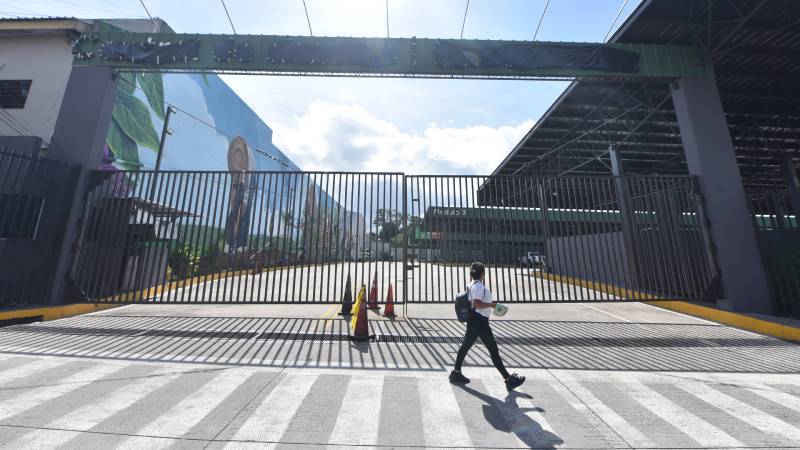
[(478, 326)]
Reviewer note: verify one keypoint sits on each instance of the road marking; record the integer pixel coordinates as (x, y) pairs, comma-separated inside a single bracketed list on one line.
[(32, 397), (359, 414), (89, 415), (442, 422), (29, 370), (779, 397), (629, 433), (271, 418), (498, 391), (768, 424), (179, 419), (696, 428)]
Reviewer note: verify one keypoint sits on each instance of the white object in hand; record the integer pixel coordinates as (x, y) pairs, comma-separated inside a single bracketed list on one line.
[(500, 310)]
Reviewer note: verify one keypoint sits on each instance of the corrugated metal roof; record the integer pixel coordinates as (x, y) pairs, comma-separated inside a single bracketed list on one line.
[(754, 45)]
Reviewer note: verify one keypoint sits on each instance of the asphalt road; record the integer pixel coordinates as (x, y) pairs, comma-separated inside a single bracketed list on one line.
[(423, 282), (281, 376)]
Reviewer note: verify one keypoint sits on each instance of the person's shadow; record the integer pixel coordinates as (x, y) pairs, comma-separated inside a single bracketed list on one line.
[(508, 417)]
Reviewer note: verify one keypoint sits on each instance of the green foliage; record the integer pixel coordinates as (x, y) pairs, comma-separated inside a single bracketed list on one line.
[(183, 262), (124, 148), (153, 86), (127, 82), (133, 117), (131, 123)]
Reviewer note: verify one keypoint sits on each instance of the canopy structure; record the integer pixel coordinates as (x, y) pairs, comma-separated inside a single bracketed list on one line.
[(754, 46), (389, 57)]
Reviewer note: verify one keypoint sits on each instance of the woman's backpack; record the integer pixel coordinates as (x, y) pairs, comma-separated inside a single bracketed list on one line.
[(463, 306)]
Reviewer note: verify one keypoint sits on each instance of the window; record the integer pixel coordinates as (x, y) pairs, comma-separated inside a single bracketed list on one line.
[(19, 215), (13, 93)]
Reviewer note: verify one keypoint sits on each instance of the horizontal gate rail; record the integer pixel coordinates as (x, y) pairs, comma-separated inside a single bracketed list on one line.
[(298, 237)]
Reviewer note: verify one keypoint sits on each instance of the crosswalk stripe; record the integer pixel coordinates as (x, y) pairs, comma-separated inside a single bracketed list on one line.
[(498, 390), (779, 397), (29, 370), (442, 422), (33, 397), (768, 424), (699, 430), (271, 418), (179, 419), (629, 433), (89, 415), (359, 416)]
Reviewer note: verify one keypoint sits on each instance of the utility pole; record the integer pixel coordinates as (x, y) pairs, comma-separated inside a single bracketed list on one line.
[(164, 132)]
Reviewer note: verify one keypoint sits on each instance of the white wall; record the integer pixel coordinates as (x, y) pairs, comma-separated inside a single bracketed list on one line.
[(47, 60)]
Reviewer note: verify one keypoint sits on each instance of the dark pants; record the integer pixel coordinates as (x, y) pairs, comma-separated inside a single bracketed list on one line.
[(478, 326)]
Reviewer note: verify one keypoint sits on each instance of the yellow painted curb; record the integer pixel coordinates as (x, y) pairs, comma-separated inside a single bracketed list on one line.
[(53, 312), (737, 320), (609, 289)]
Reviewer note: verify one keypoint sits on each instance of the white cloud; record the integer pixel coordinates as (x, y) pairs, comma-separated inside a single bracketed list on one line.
[(333, 136)]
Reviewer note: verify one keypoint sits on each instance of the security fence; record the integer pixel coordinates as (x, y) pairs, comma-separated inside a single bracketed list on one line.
[(35, 199), (778, 233), (317, 237)]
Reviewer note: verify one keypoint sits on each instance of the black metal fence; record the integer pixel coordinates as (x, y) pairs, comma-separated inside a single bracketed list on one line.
[(558, 239), (290, 237), (297, 237), (35, 199), (778, 233)]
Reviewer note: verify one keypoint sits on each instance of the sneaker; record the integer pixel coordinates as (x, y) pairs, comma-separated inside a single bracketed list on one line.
[(514, 381), (458, 378)]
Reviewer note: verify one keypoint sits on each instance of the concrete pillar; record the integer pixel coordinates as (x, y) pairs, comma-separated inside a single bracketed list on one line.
[(710, 156), (792, 184), (78, 138)]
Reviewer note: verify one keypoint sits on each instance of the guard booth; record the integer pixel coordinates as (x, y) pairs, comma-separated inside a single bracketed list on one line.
[(126, 243)]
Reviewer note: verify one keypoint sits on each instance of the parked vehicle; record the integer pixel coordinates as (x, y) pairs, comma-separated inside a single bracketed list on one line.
[(532, 259)]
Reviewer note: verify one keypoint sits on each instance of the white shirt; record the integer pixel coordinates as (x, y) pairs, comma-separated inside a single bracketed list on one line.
[(478, 291)]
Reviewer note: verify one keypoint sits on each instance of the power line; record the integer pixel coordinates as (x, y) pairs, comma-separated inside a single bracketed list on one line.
[(464, 22), (541, 19), (307, 19), (188, 114), (229, 16), (149, 15), (625, 3)]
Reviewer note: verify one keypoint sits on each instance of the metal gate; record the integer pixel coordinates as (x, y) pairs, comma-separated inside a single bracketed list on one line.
[(310, 237), (35, 199)]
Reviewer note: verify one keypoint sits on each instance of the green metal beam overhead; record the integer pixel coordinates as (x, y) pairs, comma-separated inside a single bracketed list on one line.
[(389, 57)]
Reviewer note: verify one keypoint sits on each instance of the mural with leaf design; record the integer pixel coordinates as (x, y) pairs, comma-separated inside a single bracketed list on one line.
[(131, 124)]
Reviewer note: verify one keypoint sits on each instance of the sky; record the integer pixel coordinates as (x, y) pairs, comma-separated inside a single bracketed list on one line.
[(415, 126)]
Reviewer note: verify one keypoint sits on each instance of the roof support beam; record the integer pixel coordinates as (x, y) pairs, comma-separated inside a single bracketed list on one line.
[(389, 57)]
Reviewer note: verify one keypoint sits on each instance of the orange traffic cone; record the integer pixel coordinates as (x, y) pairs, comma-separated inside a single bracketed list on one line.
[(388, 310), (359, 321), (372, 302), (347, 299)]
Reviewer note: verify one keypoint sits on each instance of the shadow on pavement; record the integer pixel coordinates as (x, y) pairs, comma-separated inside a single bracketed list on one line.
[(413, 344), (507, 416)]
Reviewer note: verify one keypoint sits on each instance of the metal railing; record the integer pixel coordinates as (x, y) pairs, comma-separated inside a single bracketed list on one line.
[(296, 237), (778, 232), (232, 237), (559, 239), (35, 198)]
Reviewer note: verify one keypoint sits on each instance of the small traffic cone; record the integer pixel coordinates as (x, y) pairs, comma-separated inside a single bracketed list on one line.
[(359, 322), (347, 299), (372, 302), (388, 310)]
